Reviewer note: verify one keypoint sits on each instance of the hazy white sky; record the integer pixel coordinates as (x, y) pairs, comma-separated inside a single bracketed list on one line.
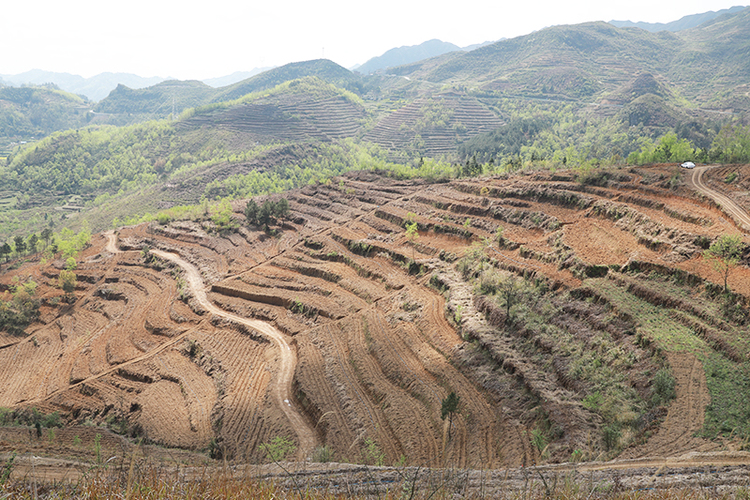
[(199, 40)]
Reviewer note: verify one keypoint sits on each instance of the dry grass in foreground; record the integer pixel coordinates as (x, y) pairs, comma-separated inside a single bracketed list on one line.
[(159, 482)]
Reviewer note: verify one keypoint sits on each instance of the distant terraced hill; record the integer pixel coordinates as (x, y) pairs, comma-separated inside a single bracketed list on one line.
[(433, 126), (591, 59), (125, 105), (286, 117), (324, 69)]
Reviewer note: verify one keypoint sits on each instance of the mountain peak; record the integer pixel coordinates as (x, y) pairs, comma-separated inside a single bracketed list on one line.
[(407, 54)]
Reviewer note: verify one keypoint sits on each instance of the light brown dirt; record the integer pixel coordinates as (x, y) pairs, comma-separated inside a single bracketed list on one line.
[(283, 387), (726, 203), (308, 336), (676, 435)]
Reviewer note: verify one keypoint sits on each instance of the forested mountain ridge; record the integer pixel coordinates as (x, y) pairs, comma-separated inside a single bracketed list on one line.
[(683, 23), (34, 112), (126, 105), (706, 65), (589, 60), (240, 148)]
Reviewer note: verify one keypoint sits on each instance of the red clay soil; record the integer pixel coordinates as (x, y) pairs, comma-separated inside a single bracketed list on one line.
[(321, 335)]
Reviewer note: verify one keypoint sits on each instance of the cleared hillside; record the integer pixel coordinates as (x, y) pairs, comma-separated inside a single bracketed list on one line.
[(557, 311)]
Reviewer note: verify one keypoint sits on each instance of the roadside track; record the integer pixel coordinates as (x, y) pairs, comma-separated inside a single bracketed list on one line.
[(282, 390), (727, 204)]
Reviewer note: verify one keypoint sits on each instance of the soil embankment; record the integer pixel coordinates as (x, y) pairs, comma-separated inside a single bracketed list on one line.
[(339, 331)]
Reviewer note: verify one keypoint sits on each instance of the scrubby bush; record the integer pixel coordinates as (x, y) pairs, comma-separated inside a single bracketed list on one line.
[(20, 309), (279, 448), (663, 389)]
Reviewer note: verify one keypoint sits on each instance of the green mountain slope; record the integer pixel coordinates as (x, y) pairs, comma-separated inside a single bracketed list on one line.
[(125, 105), (324, 69), (571, 61), (567, 96), (683, 23), (33, 112), (194, 155), (589, 60), (158, 101)]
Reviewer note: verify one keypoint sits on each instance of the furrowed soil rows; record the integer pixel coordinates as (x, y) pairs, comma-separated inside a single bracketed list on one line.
[(336, 329), (685, 417)]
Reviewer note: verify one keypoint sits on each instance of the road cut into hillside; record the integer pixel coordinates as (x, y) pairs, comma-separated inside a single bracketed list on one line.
[(727, 204), (288, 358)]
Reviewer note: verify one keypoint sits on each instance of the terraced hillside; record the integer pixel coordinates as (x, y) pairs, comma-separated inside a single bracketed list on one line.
[(591, 60), (433, 127), (286, 118), (560, 313)]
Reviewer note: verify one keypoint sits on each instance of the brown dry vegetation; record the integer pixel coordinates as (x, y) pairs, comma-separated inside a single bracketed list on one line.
[(381, 341)]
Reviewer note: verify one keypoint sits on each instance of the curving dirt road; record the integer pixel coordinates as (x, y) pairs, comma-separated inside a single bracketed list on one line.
[(727, 204), (677, 435), (282, 390)]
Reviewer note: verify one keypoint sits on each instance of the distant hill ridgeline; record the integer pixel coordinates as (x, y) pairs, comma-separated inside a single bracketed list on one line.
[(588, 61), (125, 105)]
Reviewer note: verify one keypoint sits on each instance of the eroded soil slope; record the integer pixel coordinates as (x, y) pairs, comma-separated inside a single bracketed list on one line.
[(384, 325)]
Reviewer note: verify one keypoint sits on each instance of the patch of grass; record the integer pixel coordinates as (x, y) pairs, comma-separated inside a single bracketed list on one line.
[(728, 414), (279, 448), (727, 376), (8, 202), (653, 322)]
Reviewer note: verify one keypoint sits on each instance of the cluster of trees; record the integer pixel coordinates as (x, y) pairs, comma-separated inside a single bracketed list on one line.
[(724, 254), (472, 168), (20, 309), (24, 246), (94, 160), (556, 134), (263, 215), (298, 167), (67, 243), (730, 145), (36, 111)]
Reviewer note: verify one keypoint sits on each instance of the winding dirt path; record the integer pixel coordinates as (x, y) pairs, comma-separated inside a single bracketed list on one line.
[(677, 435), (727, 204), (282, 390)]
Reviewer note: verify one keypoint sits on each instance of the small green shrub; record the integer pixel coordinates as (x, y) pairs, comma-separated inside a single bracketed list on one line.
[(163, 218), (279, 448), (372, 454), (611, 436), (322, 454), (663, 387)]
